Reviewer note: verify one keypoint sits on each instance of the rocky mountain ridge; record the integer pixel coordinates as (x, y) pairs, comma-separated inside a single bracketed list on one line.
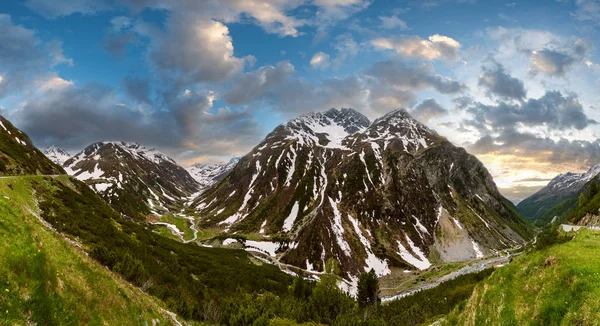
[(135, 179), (391, 193), (559, 189)]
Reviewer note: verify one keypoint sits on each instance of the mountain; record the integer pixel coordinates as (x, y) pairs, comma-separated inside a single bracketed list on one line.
[(18, 156), (208, 174), (560, 188), (136, 180), (68, 257), (57, 155), (381, 194)]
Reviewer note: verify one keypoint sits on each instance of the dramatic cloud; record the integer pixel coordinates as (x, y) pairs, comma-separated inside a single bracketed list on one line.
[(193, 50), (436, 47), (393, 22), (428, 110), (74, 117), (497, 82), (320, 60), (137, 89), (552, 110), (254, 85), (550, 62), (421, 76)]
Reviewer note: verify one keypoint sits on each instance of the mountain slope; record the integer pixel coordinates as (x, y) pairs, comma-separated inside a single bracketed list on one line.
[(559, 189), (46, 280), (136, 180), (369, 195), (56, 154), (208, 174), (555, 286), (18, 156)]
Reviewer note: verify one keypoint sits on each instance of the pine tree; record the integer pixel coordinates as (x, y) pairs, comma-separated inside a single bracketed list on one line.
[(368, 289), (593, 189), (582, 200)]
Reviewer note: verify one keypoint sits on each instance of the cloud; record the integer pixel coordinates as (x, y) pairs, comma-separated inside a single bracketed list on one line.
[(193, 50), (332, 11), (588, 10), (401, 75), (435, 47), (138, 89), (550, 62), (120, 22), (429, 110), (382, 87), (55, 50), (320, 60), (548, 53), (117, 44), (54, 9), (254, 85), (393, 22), (553, 110), (497, 82), (22, 61), (74, 117)]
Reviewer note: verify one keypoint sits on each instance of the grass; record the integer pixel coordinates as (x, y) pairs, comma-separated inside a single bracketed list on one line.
[(183, 224), (559, 285), (45, 280)]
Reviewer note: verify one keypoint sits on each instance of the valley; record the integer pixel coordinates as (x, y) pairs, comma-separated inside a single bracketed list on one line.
[(461, 232)]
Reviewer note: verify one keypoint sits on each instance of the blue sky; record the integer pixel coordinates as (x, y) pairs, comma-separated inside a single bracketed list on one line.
[(515, 82)]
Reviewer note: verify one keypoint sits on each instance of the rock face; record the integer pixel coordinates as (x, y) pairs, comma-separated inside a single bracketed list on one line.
[(18, 156), (208, 174), (57, 154), (562, 187), (369, 195), (136, 180)]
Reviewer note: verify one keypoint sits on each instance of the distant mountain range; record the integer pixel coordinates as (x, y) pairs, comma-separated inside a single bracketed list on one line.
[(563, 187), (57, 154), (376, 194), (207, 174)]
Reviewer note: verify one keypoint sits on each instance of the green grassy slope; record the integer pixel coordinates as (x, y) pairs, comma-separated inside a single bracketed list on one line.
[(186, 276), (559, 285), (46, 280)]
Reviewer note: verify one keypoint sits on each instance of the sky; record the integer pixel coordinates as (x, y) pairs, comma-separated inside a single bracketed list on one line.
[(515, 83)]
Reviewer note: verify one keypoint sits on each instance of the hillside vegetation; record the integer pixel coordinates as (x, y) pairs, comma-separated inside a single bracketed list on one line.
[(558, 285), (186, 276), (45, 280), (18, 156)]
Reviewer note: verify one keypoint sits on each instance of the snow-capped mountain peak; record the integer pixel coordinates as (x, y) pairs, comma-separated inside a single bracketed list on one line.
[(136, 179), (208, 174), (328, 129), (57, 154)]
